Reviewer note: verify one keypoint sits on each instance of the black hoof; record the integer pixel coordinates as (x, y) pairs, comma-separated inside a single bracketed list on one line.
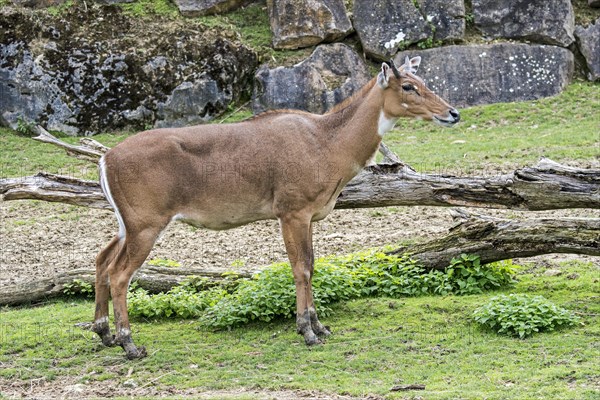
[(109, 340), (312, 341), (324, 331), (136, 353)]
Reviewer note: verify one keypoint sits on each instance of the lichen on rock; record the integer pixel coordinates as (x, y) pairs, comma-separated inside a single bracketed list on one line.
[(96, 69)]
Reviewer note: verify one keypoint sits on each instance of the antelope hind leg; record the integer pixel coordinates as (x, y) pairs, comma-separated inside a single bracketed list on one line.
[(136, 248), (103, 260)]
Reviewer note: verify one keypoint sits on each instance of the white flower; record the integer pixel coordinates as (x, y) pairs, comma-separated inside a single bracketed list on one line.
[(429, 18)]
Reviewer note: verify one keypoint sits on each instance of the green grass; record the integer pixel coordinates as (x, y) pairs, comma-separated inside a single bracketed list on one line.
[(150, 8), (22, 156), (565, 127), (377, 343)]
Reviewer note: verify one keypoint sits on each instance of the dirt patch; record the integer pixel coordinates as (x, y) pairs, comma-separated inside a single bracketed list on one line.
[(42, 239)]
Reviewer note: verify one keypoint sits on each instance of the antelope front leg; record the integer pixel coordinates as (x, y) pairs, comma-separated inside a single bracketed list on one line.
[(298, 244), (317, 326)]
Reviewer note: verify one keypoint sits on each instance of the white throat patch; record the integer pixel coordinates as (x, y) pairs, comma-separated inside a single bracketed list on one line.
[(385, 124)]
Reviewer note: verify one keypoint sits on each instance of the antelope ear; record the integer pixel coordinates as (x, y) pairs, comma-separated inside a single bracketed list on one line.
[(382, 77), (412, 64)]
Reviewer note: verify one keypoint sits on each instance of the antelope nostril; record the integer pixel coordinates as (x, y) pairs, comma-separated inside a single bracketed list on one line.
[(455, 114)]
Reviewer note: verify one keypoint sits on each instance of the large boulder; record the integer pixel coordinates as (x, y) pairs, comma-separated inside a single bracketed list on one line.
[(588, 40), (332, 73), (37, 3), (304, 23), (383, 25), (386, 25), (97, 70), (504, 72), (541, 21), (198, 8), (446, 17)]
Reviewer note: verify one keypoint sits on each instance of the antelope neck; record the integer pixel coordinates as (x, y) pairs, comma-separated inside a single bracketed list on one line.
[(364, 124)]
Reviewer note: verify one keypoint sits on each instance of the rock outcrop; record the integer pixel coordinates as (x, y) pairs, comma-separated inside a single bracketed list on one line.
[(484, 74), (385, 25), (304, 23), (588, 40), (97, 70), (197, 8), (445, 17), (332, 73), (541, 21), (37, 3)]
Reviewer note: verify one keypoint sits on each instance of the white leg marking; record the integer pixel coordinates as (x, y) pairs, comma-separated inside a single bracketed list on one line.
[(103, 320), (108, 195), (385, 124)]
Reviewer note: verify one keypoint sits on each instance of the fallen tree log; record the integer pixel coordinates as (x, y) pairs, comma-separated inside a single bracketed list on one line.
[(494, 239), (152, 278), (545, 186)]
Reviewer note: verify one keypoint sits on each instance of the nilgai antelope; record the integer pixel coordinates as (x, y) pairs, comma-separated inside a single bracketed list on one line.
[(284, 165)]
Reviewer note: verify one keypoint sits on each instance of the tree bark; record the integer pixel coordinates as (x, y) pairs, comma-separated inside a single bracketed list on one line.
[(152, 278), (546, 186), (495, 239)]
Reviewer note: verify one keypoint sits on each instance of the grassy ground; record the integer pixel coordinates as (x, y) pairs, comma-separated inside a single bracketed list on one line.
[(565, 127), (377, 343)]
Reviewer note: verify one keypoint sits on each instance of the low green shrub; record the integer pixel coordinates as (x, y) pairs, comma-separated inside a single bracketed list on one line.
[(78, 287), (183, 301), (522, 315), (271, 293)]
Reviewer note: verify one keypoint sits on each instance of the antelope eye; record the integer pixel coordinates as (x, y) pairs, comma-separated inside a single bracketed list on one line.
[(408, 87)]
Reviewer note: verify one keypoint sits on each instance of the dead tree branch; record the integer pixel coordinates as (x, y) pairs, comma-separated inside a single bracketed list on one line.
[(495, 239), (89, 150), (152, 278), (546, 186)]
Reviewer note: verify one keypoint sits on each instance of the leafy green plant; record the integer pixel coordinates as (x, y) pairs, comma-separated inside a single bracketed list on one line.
[(271, 293), (161, 262), (522, 315), (78, 287), (183, 301), (429, 43), (466, 275), (24, 127)]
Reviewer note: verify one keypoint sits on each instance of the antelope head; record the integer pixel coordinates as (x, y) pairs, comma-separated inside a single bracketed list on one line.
[(406, 95)]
